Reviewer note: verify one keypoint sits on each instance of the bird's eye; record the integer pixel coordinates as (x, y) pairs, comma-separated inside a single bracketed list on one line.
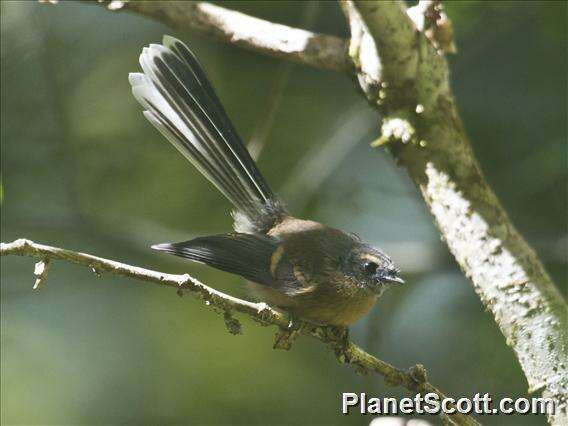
[(370, 267)]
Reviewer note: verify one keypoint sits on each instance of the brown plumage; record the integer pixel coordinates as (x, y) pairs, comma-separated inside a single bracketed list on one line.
[(316, 272)]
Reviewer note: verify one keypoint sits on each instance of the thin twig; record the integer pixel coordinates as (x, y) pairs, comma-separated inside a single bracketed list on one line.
[(346, 351)]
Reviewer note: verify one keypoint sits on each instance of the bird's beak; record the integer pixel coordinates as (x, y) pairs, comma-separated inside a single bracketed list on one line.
[(393, 279)]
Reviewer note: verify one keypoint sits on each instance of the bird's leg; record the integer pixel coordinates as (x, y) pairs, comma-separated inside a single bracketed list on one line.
[(286, 335), (338, 338), (340, 335)]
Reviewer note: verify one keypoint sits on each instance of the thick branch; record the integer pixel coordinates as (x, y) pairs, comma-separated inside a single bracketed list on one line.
[(280, 41), (345, 350), (425, 134)]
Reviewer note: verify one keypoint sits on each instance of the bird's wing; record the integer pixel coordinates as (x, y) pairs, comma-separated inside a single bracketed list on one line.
[(247, 255)]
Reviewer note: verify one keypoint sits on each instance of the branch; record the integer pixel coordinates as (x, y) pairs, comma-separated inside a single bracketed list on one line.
[(407, 79), (396, 54), (346, 351), (280, 41)]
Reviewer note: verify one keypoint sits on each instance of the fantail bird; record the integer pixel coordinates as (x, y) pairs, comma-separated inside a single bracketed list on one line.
[(317, 273)]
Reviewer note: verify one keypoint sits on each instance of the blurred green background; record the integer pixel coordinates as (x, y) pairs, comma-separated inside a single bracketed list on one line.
[(82, 169)]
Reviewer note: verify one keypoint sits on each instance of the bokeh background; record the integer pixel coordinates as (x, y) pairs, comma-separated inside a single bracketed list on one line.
[(82, 169)]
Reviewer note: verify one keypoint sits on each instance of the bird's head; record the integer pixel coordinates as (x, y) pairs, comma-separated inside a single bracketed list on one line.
[(372, 268)]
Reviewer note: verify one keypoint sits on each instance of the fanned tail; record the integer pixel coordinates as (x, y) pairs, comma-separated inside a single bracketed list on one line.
[(180, 102)]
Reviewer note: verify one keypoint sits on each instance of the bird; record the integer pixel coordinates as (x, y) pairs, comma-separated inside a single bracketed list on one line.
[(316, 273)]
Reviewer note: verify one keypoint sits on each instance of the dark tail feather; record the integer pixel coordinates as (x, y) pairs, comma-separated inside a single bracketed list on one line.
[(182, 105), (247, 255)]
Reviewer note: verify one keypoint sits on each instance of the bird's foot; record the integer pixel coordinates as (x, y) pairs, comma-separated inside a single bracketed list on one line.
[(286, 335)]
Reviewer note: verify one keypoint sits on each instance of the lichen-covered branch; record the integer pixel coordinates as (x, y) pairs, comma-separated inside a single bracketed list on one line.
[(277, 40), (346, 351), (422, 129)]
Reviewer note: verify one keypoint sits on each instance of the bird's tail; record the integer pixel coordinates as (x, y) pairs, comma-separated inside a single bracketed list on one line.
[(180, 102)]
